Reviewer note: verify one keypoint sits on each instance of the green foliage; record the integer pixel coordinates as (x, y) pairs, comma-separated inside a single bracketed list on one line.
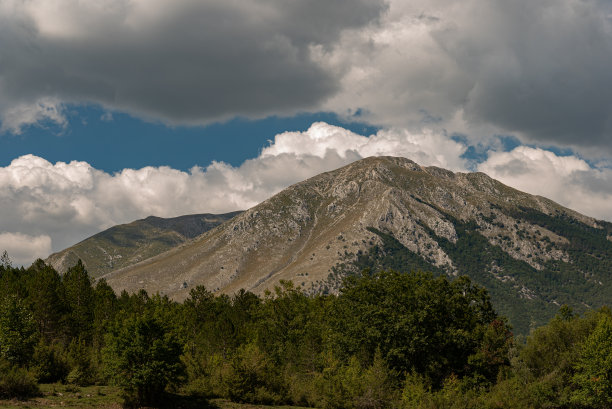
[(143, 357), (387, 340), (16, 382), (554, 347), (80, 300), (49, 364), (420, 323), (17, 331), (593, 376), (5, 260), (253, 378), (79, 357), (46, 299)]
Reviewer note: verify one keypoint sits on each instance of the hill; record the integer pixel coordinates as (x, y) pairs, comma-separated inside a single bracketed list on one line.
[(127, 244), (532, 254)]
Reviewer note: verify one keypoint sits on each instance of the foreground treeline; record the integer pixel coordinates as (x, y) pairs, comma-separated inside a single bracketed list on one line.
[(388, 340)]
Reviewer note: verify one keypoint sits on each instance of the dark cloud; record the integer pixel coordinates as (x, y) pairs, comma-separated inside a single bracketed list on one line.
[(540, 68), (182, 62)]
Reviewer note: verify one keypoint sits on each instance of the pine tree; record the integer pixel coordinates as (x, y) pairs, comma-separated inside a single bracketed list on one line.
[(79, 298)]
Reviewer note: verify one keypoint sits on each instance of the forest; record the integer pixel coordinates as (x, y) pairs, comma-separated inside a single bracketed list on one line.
[(386, 340)]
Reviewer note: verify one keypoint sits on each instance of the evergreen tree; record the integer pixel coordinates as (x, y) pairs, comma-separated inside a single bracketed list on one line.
[(18, 334), (143, 357), (46, 299), (80, 300)]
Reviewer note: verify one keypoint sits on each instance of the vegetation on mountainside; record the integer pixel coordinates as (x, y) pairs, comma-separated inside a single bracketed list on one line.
[(390, 339), (126, 244), (528, 296)]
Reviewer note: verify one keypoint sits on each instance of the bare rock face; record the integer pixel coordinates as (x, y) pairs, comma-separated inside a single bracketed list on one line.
[(301, 233)]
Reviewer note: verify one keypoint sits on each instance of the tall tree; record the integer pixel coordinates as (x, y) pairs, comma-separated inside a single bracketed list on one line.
[(17, 331), (46, 299), (143, 357), (79, 298)]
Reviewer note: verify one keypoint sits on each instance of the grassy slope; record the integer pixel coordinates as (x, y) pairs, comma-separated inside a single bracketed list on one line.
[(127, 244), (74, 397)]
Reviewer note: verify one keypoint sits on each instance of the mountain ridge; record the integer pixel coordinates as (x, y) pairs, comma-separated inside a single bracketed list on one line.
[(131, 242)]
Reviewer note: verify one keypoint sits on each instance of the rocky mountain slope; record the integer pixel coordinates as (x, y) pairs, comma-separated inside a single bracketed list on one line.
[(383, 212), (127, 244)]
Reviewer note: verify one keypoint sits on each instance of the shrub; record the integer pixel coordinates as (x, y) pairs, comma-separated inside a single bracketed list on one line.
[(48, 365), (17, 383)]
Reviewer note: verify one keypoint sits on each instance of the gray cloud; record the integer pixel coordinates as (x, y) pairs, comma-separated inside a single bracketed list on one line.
[(184, 61), (567, 180), (541, 68), (536, 68)]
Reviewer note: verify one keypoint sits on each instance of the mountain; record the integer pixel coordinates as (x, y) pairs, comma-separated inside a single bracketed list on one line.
[(532, 254), (126, 244)]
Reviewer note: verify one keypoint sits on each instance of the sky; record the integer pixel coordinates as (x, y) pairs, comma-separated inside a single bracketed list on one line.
[(114, 110)]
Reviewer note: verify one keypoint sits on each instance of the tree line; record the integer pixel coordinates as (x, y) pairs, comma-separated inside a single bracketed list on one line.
[(387, 340)]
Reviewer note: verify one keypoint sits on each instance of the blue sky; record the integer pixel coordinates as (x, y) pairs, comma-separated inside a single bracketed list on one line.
[(116, 110), (115, 141)]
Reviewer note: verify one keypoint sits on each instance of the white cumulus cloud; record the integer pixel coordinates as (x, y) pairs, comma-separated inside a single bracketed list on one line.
[(567, 180), (22, 248)]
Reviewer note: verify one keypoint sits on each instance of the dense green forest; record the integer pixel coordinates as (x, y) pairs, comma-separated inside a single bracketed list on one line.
[(387, 340)]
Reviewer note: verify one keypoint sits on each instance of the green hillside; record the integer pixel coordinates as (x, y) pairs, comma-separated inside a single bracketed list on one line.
[(127, 244)]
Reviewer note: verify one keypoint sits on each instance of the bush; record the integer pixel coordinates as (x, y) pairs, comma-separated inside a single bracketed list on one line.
[(17, 383), (48, 365), (207, 374), (352, 386), (79, 356)]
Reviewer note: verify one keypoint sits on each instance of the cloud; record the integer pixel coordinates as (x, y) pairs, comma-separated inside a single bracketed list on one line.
[(43, 110), (70, 201), (426, 147), (567, 180), (23, 249), (538, 69), (180, 62)]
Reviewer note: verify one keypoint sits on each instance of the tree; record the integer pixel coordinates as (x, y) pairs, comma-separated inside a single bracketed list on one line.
[(79, 297), (143, 357), (17, 331), (421, 323), (46, 299), (594, 368), (5, 260)]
